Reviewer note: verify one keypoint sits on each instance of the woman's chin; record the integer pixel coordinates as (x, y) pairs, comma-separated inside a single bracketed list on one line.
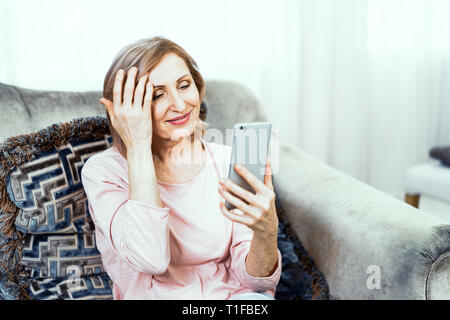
[(181, 133)]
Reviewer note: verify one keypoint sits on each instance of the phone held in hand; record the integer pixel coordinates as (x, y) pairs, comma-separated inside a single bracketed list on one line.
[(250, 148)]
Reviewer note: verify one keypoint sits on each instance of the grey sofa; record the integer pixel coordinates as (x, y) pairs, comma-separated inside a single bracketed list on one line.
[(368, 244)]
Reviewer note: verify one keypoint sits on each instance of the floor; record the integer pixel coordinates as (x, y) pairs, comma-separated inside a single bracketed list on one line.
[(435, 207)]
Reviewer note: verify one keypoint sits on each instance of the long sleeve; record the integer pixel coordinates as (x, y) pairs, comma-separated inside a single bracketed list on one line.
[(240, 247), (138, 232)]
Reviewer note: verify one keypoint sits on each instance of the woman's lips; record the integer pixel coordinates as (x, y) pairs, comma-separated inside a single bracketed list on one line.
[(180, 120)]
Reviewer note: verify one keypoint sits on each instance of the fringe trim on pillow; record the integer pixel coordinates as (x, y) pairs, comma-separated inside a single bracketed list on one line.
[(14, 152)]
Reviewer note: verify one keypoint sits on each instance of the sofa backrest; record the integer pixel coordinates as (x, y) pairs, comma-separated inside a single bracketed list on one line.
[(26, 110)]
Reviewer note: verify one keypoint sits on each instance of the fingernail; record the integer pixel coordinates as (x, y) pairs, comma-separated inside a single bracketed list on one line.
[(238, 166)]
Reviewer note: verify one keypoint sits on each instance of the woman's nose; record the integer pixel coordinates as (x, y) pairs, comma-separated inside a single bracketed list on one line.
[(177, 102)]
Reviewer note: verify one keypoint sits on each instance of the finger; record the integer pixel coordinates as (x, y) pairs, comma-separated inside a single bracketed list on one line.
[(238, 203), (129, 86), (139, 93), (117, 90), (235, 217), (252, 180), (238, 190), (268, 176), (148, 96)]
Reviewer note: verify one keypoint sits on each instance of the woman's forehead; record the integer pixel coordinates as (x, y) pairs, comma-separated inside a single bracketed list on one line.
[(171, 68)]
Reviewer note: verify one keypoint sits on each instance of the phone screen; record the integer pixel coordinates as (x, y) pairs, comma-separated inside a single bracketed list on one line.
[(250, 148)]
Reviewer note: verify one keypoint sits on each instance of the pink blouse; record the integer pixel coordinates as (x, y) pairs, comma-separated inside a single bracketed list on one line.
[(186, 250)]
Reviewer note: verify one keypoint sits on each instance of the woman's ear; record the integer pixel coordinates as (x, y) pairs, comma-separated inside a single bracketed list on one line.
[(203, 111)]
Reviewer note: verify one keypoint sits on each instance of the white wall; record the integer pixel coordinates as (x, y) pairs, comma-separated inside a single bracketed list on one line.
[(360, 84), (70, 44)]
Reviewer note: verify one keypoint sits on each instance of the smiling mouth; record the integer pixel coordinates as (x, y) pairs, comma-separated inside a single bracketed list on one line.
[(179, 118)]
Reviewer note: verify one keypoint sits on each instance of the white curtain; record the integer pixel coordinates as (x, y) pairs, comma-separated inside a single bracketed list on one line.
[(375, 79), (70, 44), (359, 84)]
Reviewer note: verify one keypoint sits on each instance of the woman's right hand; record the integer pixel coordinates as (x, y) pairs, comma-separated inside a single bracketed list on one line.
[(132, 118)]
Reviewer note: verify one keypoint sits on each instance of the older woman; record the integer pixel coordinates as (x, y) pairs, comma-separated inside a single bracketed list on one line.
[(157, 196)]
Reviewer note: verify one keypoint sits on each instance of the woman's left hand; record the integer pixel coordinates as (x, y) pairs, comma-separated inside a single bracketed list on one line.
[(258, 210)]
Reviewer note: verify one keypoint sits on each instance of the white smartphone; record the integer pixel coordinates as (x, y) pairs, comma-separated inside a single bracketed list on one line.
[(250, 148)]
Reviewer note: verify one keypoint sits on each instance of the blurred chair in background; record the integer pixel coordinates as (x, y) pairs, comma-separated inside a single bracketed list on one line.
[(431, 179)]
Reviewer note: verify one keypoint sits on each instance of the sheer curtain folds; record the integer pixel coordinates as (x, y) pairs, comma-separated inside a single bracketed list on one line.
[(359, 84), (374, 85)]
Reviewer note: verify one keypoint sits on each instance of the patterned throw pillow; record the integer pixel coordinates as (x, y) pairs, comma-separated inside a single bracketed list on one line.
[(49, 192), (58, 255), (96, 287), (48, 248)]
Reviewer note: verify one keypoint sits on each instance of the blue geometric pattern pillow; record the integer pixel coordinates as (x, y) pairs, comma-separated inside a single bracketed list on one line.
[(96, 287), (49, 192), (47, 242), (59, 255)]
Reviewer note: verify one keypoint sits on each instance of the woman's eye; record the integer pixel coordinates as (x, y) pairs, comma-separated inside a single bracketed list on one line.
[(157, 96), (185, 86)]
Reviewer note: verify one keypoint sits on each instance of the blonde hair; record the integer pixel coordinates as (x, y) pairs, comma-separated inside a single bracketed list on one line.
[(145, 54)]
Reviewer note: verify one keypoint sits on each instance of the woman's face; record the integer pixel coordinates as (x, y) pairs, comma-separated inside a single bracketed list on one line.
[(175, 95)]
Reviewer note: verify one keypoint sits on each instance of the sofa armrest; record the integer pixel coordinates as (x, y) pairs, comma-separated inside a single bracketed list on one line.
[(368, 244)]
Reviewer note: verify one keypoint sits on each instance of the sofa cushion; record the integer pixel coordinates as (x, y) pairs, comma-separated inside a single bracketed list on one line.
[(46, 231), (48, 189), (58, 255), (72, 287), (441, 153), (13, 107)]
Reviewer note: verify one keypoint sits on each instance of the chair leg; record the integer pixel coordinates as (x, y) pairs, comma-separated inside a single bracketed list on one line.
[(412, 199)]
